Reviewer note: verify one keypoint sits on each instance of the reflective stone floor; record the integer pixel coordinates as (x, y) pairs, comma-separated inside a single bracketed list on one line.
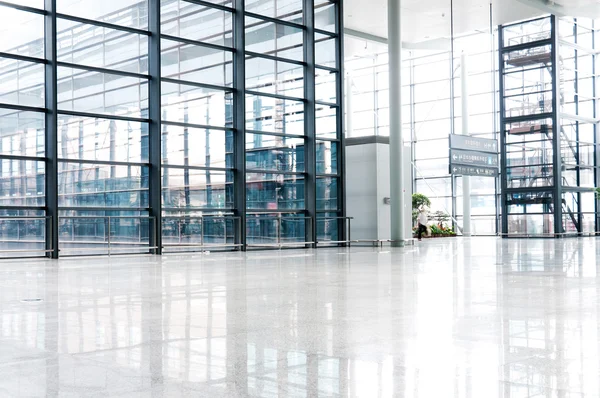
[(449, 318)]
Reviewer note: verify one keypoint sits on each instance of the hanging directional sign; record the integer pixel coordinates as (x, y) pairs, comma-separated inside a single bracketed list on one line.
[(474, 171), (473, 158), (468, 143)]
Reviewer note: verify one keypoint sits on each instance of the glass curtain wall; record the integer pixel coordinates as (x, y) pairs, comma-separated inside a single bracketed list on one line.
[(22, 130), (169, 123), (430, 105)]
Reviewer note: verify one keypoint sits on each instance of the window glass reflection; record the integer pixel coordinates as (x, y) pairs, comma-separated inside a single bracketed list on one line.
[(274, 191), (101, 185), (22, 133), (192, 188), (197, 147), (25, 30), (130, 13), (101, 93), (102, 139), (22, 183)]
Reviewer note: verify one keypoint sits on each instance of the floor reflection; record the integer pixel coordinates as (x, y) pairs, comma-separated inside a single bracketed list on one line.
[(450, 318)]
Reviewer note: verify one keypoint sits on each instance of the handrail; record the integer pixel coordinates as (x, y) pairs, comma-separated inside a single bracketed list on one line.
[(279, 220), (25, 218), (151, 245), (347, 227), (202, 244)]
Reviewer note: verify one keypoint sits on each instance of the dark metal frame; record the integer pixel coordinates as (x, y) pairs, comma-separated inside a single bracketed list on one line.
[(153, 118), (557, 187)]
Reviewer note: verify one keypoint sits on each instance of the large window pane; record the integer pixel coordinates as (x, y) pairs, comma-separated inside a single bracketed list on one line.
[(190, 188), (290, 10), (96, 46), (328, 227), (325, 17), (327, 159), (327, 193), (326, 86), (198, 105), (326, 121), (269, 229), (25, 30), (102, 139), (101, 185), (432, 149), (186, 146), (431, 168), (132, 13), (274, 191), (103, 93), (268, 152), (194, 231), (22, 133), (325, 51), (196, 22), (196, 63), (19, 234), (21, 82), (274, 39), (274, 77), (274, 115), (85, 232), (21, 183)]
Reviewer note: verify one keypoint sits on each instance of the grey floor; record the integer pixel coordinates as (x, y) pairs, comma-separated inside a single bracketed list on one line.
[(483, 317)]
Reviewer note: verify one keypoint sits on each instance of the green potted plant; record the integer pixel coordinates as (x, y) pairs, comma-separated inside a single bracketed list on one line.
[(441, 218)]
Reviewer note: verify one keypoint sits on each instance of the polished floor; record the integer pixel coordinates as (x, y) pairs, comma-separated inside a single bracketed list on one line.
[(480, 317)]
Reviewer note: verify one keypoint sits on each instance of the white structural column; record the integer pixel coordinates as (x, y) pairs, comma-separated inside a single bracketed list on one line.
[(464, 95), (396, 138), (348, 102)]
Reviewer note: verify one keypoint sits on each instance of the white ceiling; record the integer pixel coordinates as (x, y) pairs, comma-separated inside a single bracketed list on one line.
[(430, 19)]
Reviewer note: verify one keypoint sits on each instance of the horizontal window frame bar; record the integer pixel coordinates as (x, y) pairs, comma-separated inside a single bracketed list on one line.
[(23, 157), (102, 24), (336, 140), (300, 212), (247, 131), (252, 132), (202, 209), (24, 58), (87, 208), (101, 116), (42, 208), (275, 96), (23, 108), (319, 175), (195, 84), (253, 54), (263, 171), (103, 162), (195, 126), (96, 69), (332, 105), (196, 43), (201, 168), (326, 33), (211, 5), (332, 69), (274, 20)]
